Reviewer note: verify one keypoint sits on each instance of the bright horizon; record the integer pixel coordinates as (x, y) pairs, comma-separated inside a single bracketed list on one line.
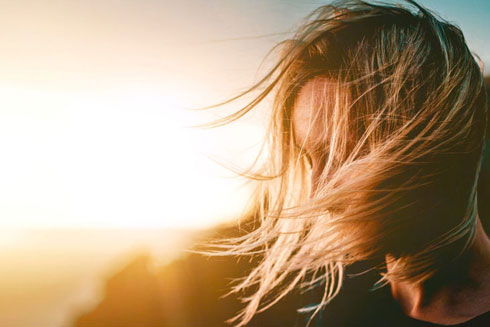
[(94, 130), (112, 159)]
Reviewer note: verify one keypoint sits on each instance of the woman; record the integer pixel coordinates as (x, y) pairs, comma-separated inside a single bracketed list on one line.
[(376, 143)]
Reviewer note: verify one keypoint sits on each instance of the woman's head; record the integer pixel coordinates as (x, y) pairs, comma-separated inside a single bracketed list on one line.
[(376, 137)]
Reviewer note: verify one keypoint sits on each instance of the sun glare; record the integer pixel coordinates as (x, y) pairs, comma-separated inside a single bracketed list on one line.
[(110, 159)]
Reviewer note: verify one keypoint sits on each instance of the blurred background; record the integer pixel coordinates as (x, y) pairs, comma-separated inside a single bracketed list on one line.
[(104, 183)]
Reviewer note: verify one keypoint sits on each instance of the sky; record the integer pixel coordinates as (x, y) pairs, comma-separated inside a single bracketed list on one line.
[(95, 96)]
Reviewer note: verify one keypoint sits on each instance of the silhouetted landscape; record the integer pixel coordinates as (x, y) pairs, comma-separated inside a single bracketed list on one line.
[(187, 292)]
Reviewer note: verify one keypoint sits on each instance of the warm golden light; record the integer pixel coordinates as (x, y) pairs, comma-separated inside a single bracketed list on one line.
[(98, 159), (115, 159)]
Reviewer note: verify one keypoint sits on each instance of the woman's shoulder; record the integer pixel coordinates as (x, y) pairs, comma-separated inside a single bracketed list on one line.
[(359, 303)]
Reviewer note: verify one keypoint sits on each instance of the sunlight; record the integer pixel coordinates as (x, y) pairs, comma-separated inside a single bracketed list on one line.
[(110, 159)]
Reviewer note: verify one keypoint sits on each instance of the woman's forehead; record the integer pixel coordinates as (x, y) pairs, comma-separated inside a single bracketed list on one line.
[(309, 112)]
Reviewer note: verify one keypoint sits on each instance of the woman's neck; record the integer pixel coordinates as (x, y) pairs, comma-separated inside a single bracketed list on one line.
[(459, 298)]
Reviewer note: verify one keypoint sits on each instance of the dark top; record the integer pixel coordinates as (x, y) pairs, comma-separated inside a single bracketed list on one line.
[(358, 304)]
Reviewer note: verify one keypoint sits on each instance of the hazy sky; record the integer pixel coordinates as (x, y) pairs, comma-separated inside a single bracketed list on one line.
[(92, 95)]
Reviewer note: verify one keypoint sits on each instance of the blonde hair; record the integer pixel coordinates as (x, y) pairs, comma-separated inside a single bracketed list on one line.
[(403, 127)]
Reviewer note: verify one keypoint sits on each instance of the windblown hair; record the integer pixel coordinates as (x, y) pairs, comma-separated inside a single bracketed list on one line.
[(403, 126)]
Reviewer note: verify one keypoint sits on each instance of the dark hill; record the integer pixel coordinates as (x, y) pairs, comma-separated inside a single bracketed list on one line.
[(188, 292)]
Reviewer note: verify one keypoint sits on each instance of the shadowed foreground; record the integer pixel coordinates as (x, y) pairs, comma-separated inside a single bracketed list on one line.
[(187, 292)]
